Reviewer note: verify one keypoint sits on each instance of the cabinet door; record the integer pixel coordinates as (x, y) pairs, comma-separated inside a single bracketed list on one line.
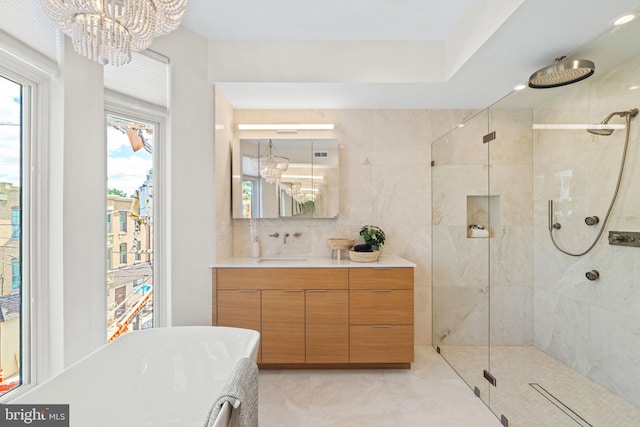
[(283, 326), (240, 309), (327, 326)]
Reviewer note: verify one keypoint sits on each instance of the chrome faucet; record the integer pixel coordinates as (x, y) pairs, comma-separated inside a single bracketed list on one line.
[(285, 238), (297, 234), (276, 235)]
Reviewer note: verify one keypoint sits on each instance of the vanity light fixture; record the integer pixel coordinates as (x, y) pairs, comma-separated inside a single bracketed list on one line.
[(107, 31), (292, 127)]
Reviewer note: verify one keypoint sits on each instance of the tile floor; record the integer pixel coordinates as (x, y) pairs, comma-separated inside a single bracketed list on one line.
[(429, 394), (580, 401)]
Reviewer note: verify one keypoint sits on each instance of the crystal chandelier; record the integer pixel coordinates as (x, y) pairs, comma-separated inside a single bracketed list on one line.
[(107, 31), (271, 166)]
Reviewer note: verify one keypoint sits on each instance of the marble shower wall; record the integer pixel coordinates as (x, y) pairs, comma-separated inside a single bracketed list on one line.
[(385, 180), (594, 327)]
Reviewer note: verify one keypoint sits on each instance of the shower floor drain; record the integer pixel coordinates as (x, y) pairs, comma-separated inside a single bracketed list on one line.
[(558, 403)]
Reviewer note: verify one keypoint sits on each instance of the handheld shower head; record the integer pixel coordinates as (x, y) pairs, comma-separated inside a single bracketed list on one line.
[(606, 131)]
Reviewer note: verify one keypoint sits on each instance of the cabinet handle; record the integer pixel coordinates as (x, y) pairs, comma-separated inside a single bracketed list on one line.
[(247, 290), (292, 290), (382, 290), (383, 326), (316, 290)]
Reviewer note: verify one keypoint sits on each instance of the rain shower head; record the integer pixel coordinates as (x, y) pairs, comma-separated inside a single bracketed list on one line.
[(606, 131), (562, 72)]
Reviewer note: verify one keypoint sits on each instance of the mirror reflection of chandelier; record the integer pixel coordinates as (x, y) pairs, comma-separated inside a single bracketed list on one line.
[(271, 166), (291, 188)]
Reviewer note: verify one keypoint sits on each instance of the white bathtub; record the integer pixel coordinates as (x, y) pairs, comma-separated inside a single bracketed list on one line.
[(153, 377)]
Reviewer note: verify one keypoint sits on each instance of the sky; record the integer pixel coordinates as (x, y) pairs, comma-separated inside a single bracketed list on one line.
[(126, 169), (9, 134)]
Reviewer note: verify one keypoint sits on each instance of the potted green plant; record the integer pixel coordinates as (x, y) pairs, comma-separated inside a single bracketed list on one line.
[(373, 235)]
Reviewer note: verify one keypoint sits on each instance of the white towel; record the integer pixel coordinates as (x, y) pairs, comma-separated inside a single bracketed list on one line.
[(241, 392), (475, 232)]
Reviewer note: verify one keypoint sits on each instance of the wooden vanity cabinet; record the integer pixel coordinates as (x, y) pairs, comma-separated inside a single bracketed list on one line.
[(303, 312), (319, 317)]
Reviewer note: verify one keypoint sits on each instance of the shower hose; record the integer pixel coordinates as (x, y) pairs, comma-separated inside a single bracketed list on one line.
[(613, 200)]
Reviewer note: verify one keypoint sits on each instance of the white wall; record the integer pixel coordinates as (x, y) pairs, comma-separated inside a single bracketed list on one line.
[(191, 174), (84, 206)]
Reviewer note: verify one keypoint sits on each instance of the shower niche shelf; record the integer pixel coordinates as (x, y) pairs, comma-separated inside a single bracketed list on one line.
[(483, 211)]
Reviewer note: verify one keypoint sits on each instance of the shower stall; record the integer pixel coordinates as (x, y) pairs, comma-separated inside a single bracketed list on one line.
[(536, 261)]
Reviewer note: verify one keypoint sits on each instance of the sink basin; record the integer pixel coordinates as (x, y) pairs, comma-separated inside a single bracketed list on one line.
[(282, 259)]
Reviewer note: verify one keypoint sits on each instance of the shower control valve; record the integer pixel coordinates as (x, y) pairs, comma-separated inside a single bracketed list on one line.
[(591, 220), (592, 275)]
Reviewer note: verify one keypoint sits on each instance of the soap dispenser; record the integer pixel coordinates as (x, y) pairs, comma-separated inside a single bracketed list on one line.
[(255, 248)]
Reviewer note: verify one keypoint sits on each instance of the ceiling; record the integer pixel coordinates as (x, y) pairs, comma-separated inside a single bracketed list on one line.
[(398, 54)]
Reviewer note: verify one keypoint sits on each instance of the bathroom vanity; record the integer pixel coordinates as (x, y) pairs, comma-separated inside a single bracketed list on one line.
[(319, 312)]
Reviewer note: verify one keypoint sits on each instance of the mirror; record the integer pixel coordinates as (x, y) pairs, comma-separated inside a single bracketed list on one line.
[(285, 178)]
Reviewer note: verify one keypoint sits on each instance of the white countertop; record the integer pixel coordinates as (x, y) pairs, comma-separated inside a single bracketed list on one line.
[(310, 262)]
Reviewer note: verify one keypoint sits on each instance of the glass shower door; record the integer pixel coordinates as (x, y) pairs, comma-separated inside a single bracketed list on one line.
[(460, 230), (510, 258)]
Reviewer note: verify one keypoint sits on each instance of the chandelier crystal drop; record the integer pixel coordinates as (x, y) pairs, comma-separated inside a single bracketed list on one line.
[(107, 31)]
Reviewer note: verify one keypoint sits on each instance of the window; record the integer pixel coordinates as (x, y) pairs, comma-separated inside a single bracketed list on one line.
[(130, 183), (14, 102), (138, 249), (123, 253), (16, 278), (123, 221), (15, 222), (109, 230)]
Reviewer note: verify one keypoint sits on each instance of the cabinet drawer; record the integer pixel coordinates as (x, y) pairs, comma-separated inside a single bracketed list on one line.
[(283, 278), (381, 278), (381, 344), (378, 306)]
